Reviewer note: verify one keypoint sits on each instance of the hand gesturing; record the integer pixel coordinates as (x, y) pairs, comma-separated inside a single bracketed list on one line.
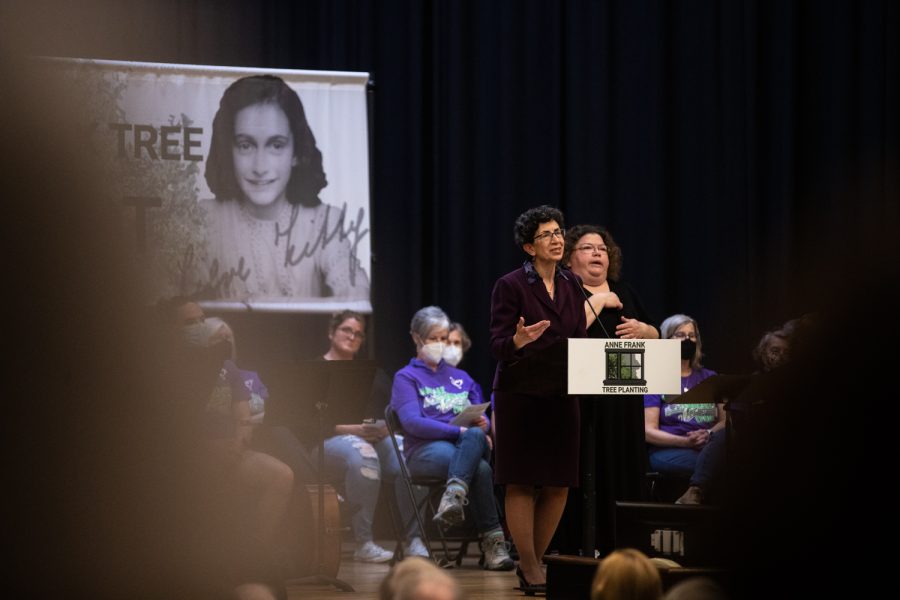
[(527, 334)]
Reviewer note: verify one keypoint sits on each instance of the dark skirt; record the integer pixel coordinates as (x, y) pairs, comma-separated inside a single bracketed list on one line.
[(538, 440)]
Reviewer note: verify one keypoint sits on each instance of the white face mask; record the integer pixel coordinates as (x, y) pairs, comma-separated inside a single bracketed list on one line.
[(433, 352), (452, 355), (199, 334)]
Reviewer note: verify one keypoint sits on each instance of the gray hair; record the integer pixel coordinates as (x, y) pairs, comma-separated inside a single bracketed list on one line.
[(668, 327), (427, 319)]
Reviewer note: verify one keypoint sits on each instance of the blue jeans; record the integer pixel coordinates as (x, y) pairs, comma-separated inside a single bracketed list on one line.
[(361, 467), (466, 461), (701, 466)]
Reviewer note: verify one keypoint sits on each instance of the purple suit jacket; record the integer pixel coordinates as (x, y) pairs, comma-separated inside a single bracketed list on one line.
[(521, 293)]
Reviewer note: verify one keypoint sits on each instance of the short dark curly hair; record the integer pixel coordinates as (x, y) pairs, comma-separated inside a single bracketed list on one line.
[(528, 222), (307, 177), (615, 252)]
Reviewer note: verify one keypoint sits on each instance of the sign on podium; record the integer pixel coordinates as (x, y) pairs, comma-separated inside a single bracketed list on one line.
[(617, 367)]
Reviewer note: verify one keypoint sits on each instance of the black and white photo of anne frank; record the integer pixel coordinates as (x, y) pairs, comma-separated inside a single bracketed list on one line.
[(269, 235)]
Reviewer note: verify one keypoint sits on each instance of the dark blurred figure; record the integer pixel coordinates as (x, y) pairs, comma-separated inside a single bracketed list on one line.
[(626, 574), (771, 354), (816, 449), (773, 350), (417, 578), (106, 495), (696, 588)]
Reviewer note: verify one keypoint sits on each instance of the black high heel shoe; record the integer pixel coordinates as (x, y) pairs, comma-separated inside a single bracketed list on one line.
[(529, 589)]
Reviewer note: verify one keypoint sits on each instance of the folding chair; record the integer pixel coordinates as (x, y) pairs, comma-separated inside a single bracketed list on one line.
[(425, 507)]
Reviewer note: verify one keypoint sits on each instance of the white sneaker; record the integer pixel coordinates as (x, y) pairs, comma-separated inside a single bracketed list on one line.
[(372, 553), (416, 548)]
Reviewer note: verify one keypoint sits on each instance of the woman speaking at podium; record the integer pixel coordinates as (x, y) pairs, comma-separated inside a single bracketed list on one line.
[(533, 308)]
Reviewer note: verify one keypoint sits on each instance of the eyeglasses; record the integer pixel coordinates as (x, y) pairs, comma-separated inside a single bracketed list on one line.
[(680, 335), (349, 331), (591, 248), (559, 233)]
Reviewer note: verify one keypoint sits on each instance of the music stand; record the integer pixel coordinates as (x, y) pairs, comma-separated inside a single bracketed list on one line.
[(715, 389), (338, 387)]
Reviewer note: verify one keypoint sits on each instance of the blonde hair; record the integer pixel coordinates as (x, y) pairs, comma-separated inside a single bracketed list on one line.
[(406, 579), (626, 575)]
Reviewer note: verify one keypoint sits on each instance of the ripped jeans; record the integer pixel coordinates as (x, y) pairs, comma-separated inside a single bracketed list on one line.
[(362, 466)]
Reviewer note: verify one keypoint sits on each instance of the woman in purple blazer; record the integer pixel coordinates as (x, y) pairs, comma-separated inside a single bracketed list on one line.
[(533, 308)]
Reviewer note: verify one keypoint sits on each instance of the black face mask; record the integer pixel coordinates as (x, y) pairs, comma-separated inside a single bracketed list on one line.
[(688, 347)]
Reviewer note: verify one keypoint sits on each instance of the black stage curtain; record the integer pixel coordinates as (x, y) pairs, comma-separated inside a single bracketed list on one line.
[(728, 145)]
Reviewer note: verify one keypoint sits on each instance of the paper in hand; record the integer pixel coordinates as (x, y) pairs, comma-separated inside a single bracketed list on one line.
[(470, 414)]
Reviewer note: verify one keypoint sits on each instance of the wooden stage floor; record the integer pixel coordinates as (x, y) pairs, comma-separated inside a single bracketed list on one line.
[(365, 578)]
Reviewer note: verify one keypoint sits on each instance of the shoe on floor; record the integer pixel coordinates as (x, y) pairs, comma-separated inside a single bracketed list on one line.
[(416, 548), (371, 552), (693, 495), (496, 554)]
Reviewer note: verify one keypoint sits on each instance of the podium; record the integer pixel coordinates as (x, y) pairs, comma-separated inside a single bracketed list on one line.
[(594, 368), (603, 367)]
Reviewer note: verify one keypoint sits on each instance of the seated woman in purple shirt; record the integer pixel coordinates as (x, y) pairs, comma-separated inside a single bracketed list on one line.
[(427, 395), (685, 439)]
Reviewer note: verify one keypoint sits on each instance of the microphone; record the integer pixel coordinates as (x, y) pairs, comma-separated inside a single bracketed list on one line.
[(591, 306)]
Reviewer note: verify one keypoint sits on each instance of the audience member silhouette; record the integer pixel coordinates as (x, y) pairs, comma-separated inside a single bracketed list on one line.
[(626, 575), (419, 579)]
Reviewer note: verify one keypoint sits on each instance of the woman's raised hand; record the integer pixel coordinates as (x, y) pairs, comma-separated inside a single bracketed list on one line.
[(527, 334)]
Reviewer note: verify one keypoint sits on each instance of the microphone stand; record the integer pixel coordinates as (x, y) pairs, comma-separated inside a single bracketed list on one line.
[(589, 461)]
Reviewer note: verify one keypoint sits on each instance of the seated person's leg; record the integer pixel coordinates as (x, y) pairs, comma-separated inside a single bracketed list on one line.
[(481, 499), (354, 460), (710, 461), (483, 506), (280, 442), (434, 460), (390, 468), (471, 449), (272, 482), (431, 459), (673, 461)]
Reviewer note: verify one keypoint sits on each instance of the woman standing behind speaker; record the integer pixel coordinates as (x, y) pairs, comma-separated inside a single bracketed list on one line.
[(533, 308), (618, 450), (593, 255)]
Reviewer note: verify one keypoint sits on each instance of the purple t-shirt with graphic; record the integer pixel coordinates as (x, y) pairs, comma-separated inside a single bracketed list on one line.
[(681, 419)]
